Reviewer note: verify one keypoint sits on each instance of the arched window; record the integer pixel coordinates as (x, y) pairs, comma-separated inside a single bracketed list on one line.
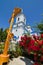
[(18, 19), (24, 19), (16, 30)]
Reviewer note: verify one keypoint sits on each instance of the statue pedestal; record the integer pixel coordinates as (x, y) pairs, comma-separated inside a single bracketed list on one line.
[(4, 59)]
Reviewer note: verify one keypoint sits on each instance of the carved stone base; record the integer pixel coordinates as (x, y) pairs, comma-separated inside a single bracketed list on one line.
[(4, 59)]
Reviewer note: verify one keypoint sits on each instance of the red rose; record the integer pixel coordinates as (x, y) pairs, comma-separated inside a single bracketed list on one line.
[(39, 42), (36, 63), (25, 36), (42, 42), (28, 38), (29, 49), (24, 39), (42, 50), (35, 48), (35, 37), (21, 43), (41, 59), (41, 35), (35, 58), (25, 46), (35, 54), (32, 42), (21, 38)]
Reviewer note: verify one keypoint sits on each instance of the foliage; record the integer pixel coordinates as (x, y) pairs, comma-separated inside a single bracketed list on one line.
[(15, 50), (40, 27), (18, 49), (1, 47), (11, 54), (3, 35)]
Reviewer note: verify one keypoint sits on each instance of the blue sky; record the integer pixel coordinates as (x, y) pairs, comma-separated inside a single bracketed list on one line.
[(31, 8)]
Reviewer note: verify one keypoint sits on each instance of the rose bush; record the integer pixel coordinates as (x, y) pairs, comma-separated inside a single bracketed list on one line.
[(33, 45)]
